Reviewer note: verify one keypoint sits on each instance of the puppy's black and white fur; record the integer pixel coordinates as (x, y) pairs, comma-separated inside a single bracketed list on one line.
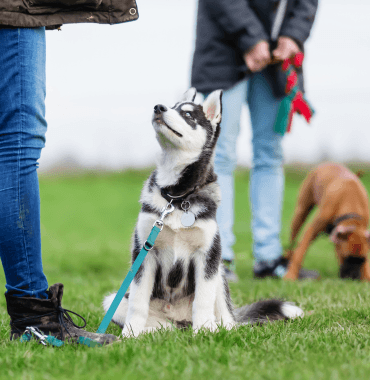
[(181, 281)]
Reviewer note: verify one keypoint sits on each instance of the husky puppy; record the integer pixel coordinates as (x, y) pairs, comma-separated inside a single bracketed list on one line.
[(181, 281)]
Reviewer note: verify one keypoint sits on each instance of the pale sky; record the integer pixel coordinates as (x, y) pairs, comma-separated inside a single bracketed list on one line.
[(103, 82)]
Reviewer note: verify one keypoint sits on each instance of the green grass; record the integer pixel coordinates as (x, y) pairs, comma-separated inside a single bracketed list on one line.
[(87, 223)]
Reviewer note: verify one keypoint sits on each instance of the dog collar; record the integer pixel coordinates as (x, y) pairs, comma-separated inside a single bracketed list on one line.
[(330, 227), (188, 217), (176, 198)]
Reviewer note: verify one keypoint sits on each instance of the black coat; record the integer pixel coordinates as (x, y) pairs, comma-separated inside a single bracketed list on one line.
[(226, 29), (36, 13)]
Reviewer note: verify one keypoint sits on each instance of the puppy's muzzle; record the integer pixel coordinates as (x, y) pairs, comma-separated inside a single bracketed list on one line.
[(159, 108)]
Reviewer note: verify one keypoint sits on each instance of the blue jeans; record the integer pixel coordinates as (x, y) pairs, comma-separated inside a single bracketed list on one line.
[(267, 175), (22, 136)]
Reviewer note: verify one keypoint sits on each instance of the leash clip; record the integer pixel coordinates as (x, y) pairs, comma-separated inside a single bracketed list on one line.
[(38, 334), (165, 211)]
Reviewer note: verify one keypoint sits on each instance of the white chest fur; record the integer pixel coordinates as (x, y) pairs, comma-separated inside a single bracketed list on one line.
[(182, 242)]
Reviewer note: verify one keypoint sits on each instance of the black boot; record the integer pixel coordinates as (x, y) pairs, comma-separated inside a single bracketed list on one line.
[(269, 271), (48, 316)]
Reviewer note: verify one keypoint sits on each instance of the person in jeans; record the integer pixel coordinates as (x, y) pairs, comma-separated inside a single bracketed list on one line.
[(22, 137), (232, 36)]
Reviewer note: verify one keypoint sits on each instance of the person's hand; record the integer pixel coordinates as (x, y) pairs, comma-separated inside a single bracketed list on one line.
[(287, 48), (258, 57)]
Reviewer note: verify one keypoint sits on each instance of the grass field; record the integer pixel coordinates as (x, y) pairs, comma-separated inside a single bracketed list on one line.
[(87, 222)]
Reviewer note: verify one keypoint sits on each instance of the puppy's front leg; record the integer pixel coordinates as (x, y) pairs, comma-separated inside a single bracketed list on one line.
[(206, 276), (140, 292), (224, 308)]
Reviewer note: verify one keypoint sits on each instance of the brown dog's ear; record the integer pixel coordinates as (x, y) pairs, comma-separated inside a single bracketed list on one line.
[(341, 233)]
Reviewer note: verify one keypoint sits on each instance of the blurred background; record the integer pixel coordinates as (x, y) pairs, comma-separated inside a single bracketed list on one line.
[(103, 82)]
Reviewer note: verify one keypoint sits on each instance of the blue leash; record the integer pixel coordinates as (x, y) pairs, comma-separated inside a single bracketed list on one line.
[(148, 245)]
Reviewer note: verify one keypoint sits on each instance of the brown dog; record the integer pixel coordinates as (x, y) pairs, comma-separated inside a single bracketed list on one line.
[(343, 213)]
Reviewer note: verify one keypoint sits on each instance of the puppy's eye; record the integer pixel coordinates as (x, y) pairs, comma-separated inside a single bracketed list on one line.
[(188, 114)]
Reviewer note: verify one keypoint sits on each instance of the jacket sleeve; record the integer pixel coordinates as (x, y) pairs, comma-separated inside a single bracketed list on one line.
[(299, 20), (238, 21)]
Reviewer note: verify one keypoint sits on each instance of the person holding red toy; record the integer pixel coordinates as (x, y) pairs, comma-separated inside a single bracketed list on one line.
[(253, 50)]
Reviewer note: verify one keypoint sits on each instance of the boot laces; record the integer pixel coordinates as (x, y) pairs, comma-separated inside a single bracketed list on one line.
[(62, 315)]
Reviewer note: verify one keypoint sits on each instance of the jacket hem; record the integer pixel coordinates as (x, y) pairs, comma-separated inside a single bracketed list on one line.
[(23, 20), (206, 89)]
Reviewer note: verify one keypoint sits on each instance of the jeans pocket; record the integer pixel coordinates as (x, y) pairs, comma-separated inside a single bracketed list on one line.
[(53, 6)]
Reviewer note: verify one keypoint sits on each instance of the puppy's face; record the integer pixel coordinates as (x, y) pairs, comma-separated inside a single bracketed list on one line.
[(352, 245), (188, 126)]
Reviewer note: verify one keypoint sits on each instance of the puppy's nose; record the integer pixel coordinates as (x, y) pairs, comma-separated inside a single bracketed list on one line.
[(159, 108)]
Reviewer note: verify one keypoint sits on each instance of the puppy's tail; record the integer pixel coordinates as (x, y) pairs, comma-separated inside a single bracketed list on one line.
[(267, 310)]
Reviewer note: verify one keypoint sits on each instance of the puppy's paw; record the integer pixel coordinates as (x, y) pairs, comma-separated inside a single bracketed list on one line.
[(228, 326), (127, 333), (148, 330), (131, 332), (208, 325)]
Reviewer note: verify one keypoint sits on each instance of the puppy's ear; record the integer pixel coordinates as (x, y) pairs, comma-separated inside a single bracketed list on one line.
[(212, 107), (189, 95), (341, 233)]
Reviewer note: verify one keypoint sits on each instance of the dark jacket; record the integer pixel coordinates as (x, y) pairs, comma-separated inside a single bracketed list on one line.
[(53, 13), (226, 29)]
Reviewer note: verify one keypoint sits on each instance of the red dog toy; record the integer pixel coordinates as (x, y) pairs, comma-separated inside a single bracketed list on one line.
[(294, 101)]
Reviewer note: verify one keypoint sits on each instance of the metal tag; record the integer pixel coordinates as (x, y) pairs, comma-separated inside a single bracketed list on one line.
[(187, 219)]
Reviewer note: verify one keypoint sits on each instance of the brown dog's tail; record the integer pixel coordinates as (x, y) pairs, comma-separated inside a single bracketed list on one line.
[(360, 173)]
